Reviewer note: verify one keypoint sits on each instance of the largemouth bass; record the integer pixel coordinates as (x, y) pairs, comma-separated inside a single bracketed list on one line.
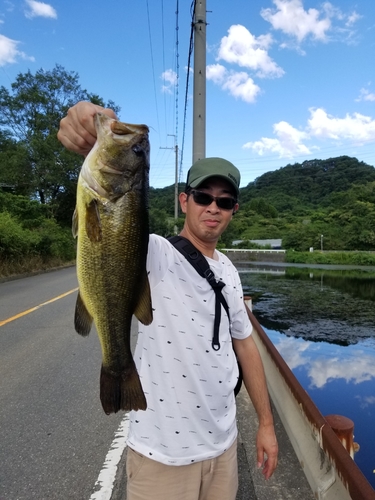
[(111, 224)]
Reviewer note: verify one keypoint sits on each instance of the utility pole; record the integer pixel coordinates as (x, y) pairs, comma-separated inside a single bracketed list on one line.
[(175, 178), (199, 92), (175, 147)]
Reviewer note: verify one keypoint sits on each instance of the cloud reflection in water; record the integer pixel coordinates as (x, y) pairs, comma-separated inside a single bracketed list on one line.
[(324, 363)]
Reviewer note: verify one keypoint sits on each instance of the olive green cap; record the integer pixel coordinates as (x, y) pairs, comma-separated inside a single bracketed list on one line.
[(213, 167)]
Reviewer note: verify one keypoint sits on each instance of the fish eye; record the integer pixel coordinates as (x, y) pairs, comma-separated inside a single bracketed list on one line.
[(138, 150)]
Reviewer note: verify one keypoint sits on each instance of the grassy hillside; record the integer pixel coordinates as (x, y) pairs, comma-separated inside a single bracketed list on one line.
[(329, 202), (299, 203)]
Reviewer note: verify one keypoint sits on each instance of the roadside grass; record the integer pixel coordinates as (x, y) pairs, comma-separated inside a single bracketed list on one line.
[(33, 264), (28, 265), (338, 258)]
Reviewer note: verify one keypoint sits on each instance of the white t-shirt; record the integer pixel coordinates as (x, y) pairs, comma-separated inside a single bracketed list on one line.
[(191, 410)]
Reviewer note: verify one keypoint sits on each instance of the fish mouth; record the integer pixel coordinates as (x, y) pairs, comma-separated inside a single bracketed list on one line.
[(108, 157), (126, 135), (119, 128)]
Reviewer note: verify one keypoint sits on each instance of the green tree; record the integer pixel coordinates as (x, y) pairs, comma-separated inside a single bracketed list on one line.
[(30, 115), (14, 174), (159, 222), (262, 207)]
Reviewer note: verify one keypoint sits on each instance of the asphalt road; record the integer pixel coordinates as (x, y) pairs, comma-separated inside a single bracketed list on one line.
[(55, 439), (54, 435)]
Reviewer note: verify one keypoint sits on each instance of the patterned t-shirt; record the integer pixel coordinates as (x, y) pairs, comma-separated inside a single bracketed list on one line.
[(191, 410)]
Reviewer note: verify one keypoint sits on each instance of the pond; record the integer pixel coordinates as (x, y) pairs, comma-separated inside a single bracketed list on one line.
[(322, 321)]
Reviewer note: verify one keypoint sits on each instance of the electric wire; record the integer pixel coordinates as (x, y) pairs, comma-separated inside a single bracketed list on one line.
[(153, 66), (177, 71), (164, 67), (191, 45)]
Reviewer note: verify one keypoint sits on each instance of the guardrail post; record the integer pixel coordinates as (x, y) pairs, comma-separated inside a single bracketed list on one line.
[(248, 301), (344, 430)]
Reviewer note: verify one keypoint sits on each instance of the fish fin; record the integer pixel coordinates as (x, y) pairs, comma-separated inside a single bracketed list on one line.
[(143, 311), (82, 318), (93, 224), (75, 223), (121, 391)]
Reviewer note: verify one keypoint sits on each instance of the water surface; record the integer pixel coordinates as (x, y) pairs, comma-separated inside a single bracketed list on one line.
[(323, 324)]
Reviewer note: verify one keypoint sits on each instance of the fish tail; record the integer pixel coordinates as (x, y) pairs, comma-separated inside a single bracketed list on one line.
[(121, 391)]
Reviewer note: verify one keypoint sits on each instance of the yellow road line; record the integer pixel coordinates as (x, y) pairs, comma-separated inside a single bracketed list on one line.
[(8, 320)]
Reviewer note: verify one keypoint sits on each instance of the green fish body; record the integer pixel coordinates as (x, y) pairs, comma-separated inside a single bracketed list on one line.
[(111, 225)]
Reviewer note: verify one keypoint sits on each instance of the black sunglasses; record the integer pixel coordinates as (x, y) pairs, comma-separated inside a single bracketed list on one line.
[(223, 202)]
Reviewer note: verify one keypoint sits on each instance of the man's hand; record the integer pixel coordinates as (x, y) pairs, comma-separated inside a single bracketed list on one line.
[(267, 445), (255, 383), (77, 130)]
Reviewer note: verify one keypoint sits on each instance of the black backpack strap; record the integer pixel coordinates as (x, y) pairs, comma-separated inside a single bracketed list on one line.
[(200, 264)]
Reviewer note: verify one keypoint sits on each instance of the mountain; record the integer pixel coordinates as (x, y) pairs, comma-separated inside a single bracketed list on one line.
[(310, 182)]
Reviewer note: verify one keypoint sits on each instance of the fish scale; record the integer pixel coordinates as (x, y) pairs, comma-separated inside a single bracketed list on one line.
[(111, 225)]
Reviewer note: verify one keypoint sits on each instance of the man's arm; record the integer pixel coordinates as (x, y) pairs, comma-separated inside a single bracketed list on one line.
[(255, 383), (77, 130)]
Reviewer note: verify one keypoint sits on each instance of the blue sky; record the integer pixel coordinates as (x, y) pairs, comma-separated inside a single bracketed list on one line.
[(287, 80)]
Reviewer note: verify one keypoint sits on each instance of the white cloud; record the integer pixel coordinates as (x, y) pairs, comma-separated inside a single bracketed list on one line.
[(169, 78), (325, 369), (242, 48), (9, 52), (216, 73), (333, 12), (357, 128), (292, 350), (40, 9), (247, 51), (365, 95), (365, 402), (324, 24), (291, 18), (238, 84), (352, 19), (288, 144)]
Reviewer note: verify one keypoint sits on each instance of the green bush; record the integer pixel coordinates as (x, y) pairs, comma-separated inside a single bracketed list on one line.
[(23, 208), (15, 241), (46, 240), (55, 241), (337, 258)]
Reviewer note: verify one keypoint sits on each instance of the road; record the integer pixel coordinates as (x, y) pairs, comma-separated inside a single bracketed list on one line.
[(56, 443), (54, 435)]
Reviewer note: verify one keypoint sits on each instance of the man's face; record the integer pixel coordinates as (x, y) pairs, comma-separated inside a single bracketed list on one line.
[(208, 222)]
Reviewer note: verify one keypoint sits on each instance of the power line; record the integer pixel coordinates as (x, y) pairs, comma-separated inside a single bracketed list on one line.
[(177, 68), (191, 44), (152, 64), (164, 67)]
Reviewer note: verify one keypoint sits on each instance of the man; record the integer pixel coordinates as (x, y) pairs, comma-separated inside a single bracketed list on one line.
[(184, 445)]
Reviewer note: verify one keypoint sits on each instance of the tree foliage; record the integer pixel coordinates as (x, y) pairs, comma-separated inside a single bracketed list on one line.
[(27, 229), (32, 161), (311, 181), (297, 203)]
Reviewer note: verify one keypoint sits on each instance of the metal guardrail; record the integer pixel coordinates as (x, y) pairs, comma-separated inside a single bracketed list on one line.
[(329, 469), (254, 250)]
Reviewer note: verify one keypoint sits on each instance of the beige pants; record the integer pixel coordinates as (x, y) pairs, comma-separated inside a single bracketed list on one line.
[(215, 479)]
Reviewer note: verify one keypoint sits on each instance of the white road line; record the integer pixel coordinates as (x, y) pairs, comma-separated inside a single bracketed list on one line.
[(107, 475)]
